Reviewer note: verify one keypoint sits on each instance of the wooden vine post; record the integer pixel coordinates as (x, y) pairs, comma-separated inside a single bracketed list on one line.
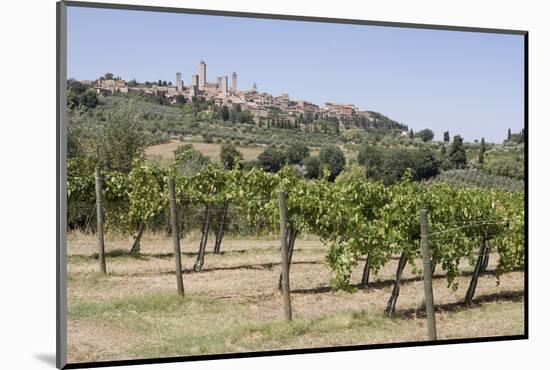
[(390, 307), (290, 240), (284, 257), (175, 233), (197, 267), (219, 233), (99, 212), (427, 270), (366, 272), (481, 258)]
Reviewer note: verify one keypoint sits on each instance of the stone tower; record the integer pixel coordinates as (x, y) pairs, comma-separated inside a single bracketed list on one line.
[(224, 85), (195, 80), (179, 82), (234, 82), (193, 89), (254, 87), (202, 75)]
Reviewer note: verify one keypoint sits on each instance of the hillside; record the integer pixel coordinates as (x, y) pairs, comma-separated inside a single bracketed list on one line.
[(167, 121), (165, 127)]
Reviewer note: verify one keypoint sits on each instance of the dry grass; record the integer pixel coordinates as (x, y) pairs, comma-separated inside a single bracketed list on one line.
[(211, 150), (233, 305), (165, 152)]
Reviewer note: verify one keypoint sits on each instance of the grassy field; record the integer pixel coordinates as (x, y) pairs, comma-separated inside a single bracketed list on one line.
[(165, 152), (210, 150), (233, 305)]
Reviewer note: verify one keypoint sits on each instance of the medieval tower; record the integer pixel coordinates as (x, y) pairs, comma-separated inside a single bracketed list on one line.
[(179, 82), (234, 82), (224, 85), (202, 75), (193, 89)]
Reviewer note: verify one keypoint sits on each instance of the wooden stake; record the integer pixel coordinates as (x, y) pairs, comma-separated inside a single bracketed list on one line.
[(175, 234), (284, 257), (99, 205), (366, 272), (477, 271), (427, 269)]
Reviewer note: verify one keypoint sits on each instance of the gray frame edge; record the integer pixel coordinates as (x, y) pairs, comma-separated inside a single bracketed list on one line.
[(289, 17), (61, 186)]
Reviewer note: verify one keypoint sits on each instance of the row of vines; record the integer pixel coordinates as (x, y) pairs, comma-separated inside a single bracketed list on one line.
[(476, 178), (352, 216)]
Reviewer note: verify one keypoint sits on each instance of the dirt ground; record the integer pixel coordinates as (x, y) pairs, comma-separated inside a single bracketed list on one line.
[(165, 152), (233, 304), (211, 150)]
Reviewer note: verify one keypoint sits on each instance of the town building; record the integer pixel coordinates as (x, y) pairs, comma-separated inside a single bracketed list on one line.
[(260, 104)]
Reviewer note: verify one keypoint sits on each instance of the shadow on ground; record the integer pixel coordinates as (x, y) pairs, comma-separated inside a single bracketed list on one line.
[(511, 295)]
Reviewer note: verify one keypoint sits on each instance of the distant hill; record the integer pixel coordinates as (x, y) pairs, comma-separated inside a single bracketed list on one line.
[(164, 123)]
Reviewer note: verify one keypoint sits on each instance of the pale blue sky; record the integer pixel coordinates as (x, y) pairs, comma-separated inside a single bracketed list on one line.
[(468, 83)]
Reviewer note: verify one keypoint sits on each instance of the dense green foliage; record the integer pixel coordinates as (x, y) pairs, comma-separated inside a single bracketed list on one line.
[(189, 161), (272, 159), (390, 164), (515, 138), (296, 153), (333, 159), (230, 156), (313, 167), (224, 113), (482, 150), (457, 154), (425, 135), (505, 163), (113, 142), (353, 216), (80, 95)]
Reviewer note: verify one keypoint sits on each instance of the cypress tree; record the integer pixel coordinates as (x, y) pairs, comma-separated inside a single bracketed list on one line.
[(482, 150), (457, 154)]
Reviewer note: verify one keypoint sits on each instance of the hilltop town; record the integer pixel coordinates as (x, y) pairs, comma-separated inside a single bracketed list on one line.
[(260, 104)]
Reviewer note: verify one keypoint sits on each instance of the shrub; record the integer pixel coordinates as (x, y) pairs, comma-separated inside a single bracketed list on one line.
[(312, 167), (271, 159), (457, 154), (426, 135), (296, 152), (390, 164), (332, 157), (230, 156)]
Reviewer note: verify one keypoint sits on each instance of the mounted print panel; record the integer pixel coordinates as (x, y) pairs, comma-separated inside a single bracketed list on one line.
[(240, 184)]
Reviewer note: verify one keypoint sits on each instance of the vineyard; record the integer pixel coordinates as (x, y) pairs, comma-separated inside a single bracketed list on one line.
[(473, 178), (362, 225)]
